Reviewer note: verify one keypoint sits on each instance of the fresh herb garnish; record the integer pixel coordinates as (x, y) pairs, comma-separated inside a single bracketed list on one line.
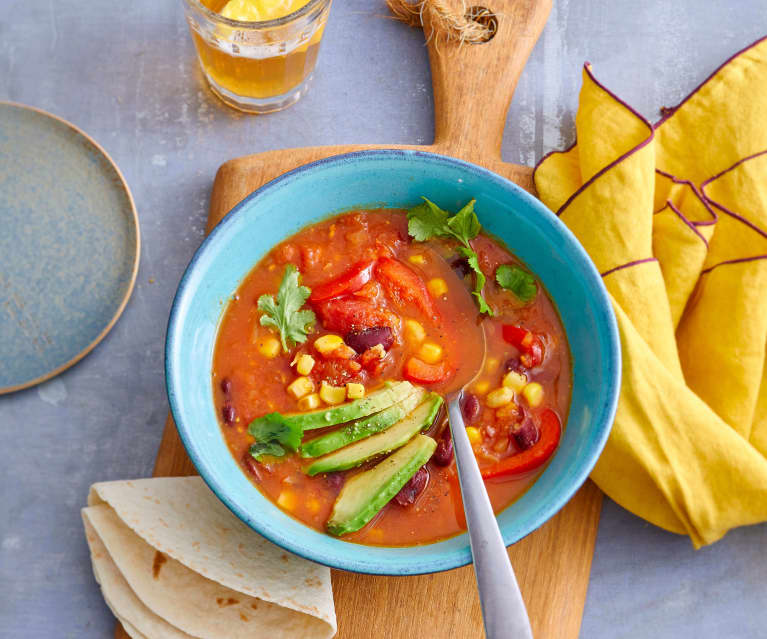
[(479, 279), (427, 220), (284, 314), (517, 280), (259, 449), (273, 435)]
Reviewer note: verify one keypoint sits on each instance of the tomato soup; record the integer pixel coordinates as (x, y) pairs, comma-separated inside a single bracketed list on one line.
[(335, 354)]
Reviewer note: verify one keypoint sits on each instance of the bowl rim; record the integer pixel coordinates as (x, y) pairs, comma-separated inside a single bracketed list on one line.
[(432, 565)]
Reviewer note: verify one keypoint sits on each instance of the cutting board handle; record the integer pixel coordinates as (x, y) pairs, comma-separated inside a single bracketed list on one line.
[(474, 83)]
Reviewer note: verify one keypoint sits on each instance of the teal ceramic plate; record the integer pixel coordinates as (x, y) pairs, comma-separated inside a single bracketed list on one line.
[(393, 178), (69, 245)]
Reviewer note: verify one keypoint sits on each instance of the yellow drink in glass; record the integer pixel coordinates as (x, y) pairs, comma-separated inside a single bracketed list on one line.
[(258, 55)]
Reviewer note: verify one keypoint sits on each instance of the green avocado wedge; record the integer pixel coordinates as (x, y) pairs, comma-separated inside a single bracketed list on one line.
[(364, 427), (390, 393), (366, 493), (380, 443)]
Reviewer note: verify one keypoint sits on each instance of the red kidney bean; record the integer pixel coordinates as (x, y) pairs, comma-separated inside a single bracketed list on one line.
[(334, 480), (226, 385), (414, 487), (227, 412), (527, 434), (470, 407), (251, 465), (367, 338), (513, 364), (461, 266), (443, 454)]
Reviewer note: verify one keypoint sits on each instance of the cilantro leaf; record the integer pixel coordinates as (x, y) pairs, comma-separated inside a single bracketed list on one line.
[(464, 225), (283, 313), (273, 435), (274, 427), (260, 449), (427, 220), (517, 280), (479, 280)]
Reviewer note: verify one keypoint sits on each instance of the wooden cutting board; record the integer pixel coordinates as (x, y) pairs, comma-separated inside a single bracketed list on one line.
[(473, 86)]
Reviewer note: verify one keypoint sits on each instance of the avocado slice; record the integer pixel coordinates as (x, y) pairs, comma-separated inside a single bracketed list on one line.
[(364, 427), (366, 493), (390, 393), (381, 443)]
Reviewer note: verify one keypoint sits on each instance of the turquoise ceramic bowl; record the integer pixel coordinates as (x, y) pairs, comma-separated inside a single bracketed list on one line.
[(391, 178)]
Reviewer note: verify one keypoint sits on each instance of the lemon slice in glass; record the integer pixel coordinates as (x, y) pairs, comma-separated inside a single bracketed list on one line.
[(260, 10)]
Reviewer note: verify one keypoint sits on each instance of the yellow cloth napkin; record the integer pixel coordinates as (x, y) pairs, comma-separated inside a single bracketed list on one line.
[(674, 216)]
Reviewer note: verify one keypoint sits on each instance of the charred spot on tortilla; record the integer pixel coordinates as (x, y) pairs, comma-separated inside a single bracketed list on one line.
[(229, 601), (159, 560)]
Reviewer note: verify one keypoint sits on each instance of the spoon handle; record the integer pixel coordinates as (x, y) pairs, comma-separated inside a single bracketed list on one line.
[(503, 609)]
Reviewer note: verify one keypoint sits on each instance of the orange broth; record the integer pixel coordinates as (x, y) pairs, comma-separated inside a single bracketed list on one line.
[(257, 384)]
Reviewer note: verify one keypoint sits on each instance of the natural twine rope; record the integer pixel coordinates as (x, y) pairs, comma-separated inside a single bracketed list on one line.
[(444, 19)]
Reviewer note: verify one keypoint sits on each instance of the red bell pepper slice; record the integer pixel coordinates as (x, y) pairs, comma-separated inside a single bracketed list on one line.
[(418, 371), (350, 313), (533, 457), (529, 344), (404, 286), (353, 280)]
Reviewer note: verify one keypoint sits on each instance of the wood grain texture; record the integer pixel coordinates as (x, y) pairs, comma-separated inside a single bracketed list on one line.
[(553, 563)]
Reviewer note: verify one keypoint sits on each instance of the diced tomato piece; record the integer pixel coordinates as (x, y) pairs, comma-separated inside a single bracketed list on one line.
[(337, 371), (404, 286), (420, 372), (371, 290), (342, 352), (529, 344), (311, 255), (353, 280), (345, 314), (533, 457)]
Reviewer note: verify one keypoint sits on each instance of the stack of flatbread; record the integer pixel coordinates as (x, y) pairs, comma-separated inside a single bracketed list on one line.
[(174, 563)]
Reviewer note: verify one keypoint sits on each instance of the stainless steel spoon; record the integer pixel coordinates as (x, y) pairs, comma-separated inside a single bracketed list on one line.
[(503, 610)]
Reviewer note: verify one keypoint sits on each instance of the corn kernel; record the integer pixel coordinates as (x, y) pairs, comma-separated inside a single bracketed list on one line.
[(304, 364), (533, 393), (481, 387), (514, 380), (328, 343), (300, 387), (430, 352), (354, 390), (499, 397), (510, 410), (414, 331), (310, 402), (287, 500), (491, 365), (417, 259), (437, 287), (475, 437), (268, 346), (332, 394)]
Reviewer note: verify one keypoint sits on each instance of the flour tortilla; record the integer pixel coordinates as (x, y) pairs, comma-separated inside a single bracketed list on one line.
[(217, 577), (137, 620)]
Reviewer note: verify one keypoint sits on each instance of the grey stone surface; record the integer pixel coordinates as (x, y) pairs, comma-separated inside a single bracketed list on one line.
[(126, 73)]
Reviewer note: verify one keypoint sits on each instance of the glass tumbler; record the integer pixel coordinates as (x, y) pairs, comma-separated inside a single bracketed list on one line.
[(257, 67)]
